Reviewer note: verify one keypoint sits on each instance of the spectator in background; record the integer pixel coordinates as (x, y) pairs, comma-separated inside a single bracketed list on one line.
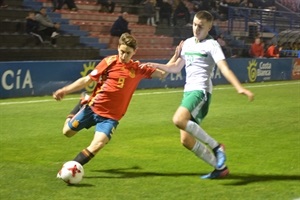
[(149, 11), (214, 10), (283, 47), (293, 5), (58, 4), (54, 5), (257, 49), (289, 46), (165, 11), (32, 27), (181, 11), (47, 29), (246, 4), (120, 26), (213, 32), (223, 10), (266, 4), (294, 47), (225, 48), (202, 5), (107, 5), (2, 4), (157, 4), (272, 51), (136, 2), (298, 48)]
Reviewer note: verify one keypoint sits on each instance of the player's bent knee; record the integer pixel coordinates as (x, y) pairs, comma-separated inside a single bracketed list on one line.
[(68, 132), (181, 117), (178, 122)]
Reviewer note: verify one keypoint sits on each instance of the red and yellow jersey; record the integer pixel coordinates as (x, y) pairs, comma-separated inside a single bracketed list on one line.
[(116, 83)]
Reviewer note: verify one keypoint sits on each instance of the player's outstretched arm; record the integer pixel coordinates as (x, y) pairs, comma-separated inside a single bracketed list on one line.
[(170, 67), (230, 76), (78, 85), (159, 74), (174, 65)]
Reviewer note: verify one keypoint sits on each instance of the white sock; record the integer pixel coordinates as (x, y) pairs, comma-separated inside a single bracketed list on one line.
[(194, 129), (201, 151)]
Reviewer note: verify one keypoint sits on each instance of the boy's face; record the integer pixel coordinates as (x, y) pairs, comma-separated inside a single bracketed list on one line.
[(31, 15), (43, 11), (201, 27), (257, 41), (125, 15), (125, 53)]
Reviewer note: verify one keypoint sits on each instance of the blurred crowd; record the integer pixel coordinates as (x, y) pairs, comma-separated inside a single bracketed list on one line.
[(173, 10), (273, 49), (169, 12), (293, 5), (41, 27)]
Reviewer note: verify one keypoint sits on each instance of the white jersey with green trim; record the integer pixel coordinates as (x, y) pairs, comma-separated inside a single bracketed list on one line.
[(200, 58)]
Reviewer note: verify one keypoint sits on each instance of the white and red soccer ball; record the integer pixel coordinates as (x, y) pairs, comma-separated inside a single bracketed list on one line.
[(71, 172)]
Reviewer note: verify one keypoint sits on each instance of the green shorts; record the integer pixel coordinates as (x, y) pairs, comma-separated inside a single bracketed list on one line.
[(197, 102)]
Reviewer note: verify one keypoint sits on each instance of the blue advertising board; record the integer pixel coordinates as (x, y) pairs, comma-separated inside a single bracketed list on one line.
[(37, 78), (20, 79), (250, 70)]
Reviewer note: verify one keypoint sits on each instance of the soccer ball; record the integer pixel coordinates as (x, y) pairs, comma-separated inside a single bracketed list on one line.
[(71, 172)]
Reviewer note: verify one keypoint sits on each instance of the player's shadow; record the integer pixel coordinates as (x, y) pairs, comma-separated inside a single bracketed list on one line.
[(236, 179), (81, 185), (133, 172), (245, 179)]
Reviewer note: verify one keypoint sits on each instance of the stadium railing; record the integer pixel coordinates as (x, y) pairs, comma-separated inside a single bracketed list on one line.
[(266, 20)]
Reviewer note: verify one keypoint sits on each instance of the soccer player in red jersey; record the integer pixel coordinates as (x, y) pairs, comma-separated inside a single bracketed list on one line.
[(116, 79)]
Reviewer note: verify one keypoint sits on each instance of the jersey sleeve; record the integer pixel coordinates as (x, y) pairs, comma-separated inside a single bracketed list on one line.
[(147, 72), (101, 67), (216, 51)]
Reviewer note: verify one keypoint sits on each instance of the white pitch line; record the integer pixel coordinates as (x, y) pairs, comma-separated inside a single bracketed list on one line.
[(150, 93), (224, 88), (34, 101)]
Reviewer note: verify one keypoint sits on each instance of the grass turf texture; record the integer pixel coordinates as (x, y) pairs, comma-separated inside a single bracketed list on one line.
[(145, 159)]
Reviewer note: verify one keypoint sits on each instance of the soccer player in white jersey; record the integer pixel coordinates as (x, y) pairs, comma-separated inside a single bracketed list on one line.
[(199, 55)]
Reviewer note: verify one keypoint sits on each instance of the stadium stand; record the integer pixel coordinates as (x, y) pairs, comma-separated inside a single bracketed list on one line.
[(85, 33), (289, 5), (86, 30), (246, 23), (17, 45)]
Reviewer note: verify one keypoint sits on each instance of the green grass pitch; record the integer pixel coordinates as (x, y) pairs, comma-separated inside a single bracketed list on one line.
[(145, 159)]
